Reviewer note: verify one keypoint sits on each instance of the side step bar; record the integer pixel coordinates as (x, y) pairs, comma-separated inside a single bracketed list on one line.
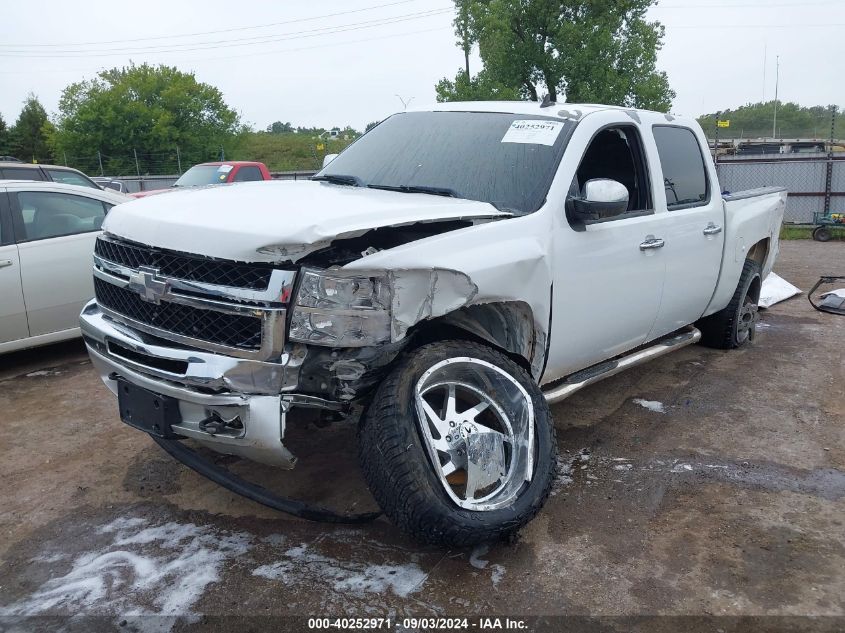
[(564, 388)]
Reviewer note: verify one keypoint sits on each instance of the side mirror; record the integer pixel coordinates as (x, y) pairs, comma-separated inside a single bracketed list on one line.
[(602, 198), (328, 158), (115, 185)]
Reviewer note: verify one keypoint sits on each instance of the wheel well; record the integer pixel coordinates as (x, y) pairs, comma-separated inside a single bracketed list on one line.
[(756, 288), (759, 252), (502, 326)]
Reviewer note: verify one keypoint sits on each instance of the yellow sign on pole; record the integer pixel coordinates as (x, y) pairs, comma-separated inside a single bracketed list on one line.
[(723, 123)]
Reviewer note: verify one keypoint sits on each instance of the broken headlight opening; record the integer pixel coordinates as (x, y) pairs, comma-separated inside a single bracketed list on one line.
[(341, 310)]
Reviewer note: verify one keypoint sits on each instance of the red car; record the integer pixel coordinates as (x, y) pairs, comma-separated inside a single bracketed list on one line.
[(215, 174)]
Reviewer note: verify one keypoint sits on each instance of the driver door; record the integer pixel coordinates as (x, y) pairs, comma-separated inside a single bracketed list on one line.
[(609, 274)]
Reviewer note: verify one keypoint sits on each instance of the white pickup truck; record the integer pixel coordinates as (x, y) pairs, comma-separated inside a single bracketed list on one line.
[(441, 282)]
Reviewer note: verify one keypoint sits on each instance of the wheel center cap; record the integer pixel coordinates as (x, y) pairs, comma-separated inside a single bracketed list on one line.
[(467, 428)]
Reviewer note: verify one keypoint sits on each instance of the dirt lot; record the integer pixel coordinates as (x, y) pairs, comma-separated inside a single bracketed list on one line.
[(704, 483)]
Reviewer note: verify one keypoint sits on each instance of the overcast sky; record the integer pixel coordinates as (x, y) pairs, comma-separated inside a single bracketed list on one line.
[(294, 61)]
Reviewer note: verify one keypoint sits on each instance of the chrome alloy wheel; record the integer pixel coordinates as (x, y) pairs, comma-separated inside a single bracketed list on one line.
[(478, 424), (747, 319)]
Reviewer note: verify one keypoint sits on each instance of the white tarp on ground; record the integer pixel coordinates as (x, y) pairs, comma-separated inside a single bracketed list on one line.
[(776, 289)]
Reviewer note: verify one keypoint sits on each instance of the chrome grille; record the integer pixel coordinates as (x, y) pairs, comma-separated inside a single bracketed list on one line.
[(183, 266), (217, 305), (219, 328)]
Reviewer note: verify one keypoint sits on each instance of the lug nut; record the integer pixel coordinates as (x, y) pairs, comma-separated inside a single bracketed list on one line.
[(448, 438), (452, 424)]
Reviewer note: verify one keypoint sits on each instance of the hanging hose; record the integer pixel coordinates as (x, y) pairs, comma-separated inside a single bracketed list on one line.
[(829, 304), (255, 492)]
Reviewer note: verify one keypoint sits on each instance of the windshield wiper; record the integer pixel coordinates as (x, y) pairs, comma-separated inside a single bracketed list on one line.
[(434, 191), (339, 179)]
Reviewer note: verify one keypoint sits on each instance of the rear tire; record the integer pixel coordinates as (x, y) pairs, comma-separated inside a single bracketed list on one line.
[(734, 326), (398, 443)]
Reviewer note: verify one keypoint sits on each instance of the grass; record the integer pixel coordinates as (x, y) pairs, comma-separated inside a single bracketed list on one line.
[(286, 152), (805, 232)]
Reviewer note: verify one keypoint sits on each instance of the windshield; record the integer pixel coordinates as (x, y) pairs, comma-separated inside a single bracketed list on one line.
[(508, 160), (203, 175)]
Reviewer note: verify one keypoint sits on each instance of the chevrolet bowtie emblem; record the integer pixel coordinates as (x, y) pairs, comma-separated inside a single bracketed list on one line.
[(145, 282)]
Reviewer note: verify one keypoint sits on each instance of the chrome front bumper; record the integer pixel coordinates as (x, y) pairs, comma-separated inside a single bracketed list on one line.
[(258, 393)]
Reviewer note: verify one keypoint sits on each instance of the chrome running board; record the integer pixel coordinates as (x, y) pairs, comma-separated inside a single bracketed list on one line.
[(561, 389)]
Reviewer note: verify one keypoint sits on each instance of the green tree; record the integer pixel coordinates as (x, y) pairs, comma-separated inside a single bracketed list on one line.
[(148, 110), (4, 137), (755, 120), (371, 125), (29, 135), (482, 87), (588, 50), (278, 127)]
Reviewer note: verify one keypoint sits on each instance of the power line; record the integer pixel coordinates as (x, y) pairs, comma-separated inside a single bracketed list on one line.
[(751, 26), (231, 30), (227, 57), (764, 5), (293, 35)]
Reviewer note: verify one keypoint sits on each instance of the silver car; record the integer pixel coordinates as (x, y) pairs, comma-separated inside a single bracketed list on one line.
[(47, 234)]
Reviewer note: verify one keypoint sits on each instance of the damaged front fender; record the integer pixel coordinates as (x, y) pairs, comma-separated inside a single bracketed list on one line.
[(418, 295)]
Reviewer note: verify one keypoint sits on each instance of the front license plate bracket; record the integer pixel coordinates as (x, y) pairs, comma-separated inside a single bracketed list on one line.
[(147, 411)]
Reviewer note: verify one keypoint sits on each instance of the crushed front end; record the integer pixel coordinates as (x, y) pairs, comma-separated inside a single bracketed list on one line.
[(197, 347)]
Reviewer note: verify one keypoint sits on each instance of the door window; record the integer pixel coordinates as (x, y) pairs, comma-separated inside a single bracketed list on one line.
[(684, 176), (248, 174), (46, 214), (68, 177), (616, 153), (22, 173)]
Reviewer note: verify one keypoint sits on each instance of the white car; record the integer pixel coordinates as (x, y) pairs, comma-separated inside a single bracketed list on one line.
[(47, 234)]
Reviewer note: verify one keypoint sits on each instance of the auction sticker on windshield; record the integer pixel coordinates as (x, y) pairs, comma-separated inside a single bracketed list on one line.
[(533, 131)]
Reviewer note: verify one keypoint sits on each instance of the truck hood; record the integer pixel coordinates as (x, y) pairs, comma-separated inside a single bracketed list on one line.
[(277, 221)]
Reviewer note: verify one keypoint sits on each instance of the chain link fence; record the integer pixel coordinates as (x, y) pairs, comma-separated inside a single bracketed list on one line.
[(805, 179), (139, 163)]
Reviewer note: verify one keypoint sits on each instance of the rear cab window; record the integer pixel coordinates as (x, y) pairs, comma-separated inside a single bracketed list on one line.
[(682, 161), (248, 173)]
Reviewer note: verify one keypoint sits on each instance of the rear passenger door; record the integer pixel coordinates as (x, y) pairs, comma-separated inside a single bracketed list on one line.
[(12, 309), (694, 232), (56, 233)]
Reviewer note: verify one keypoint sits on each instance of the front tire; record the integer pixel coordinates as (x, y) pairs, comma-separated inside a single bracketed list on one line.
[(458, 445), (735, 325)]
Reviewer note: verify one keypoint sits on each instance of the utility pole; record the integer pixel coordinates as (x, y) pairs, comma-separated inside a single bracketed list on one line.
[(178, 160), (100, 160), (765, 47), (405, 103), (828, 185), (137, 168), (65, 155), (777, 81)]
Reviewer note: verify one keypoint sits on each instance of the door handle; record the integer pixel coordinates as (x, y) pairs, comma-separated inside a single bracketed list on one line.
[(652, 243), (712, 229), (5, 262)]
